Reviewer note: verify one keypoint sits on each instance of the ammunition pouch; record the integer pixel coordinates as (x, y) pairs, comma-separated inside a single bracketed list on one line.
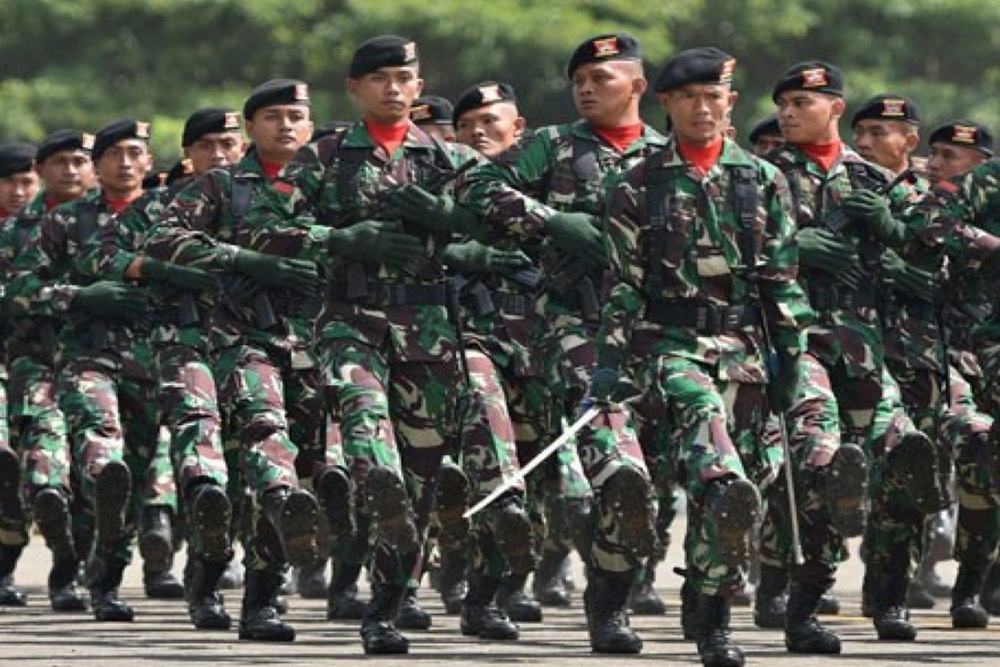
[(840, 297)]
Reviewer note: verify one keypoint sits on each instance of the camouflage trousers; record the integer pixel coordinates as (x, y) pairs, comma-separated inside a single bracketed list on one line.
[(111, 417), (13, 521), (275, 412)]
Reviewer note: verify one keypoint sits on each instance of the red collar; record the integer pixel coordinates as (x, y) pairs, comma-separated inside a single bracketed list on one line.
[(702, 157), (389, 137), (823, 155), (620, 137)]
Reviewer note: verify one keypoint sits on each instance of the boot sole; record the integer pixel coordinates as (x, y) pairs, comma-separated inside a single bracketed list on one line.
[(735, 514), (52, 518), (211, 517), (112, 488), (846, 491), (389, 506), (451, 500), (514, 537), (299, 516), (912, 462), (334, 491), (157, 551), (627, 494)]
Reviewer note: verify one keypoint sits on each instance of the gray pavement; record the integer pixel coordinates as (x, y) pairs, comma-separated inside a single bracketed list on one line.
[(162, 635)]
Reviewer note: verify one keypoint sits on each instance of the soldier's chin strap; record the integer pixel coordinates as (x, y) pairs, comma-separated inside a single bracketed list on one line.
[(568, 433)]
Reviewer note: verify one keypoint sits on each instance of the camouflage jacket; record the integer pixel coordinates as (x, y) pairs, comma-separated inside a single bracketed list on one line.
[(699, 263), (342, 179), (561, 168), (199, 228), (849, 334), (65, 255)]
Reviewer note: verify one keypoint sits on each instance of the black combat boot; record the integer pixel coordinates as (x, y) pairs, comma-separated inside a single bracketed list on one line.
[(411, 615), (293, 515), (913, 463), (335, 494), (11, 508), (516, 602), (514, 536), (643, 598), (770, 606), (388, 506), (803, 633), (112, 488), (548, 584), (843, 485), (452, 583), (211, 515), (966, 609), (991, 590), (205, 606), (104, 598), (259, 620), (53, 521), (605, 601), (63, 593), (711, 632), (378, 634), (689, 605), (891, 617), (451, 500), (480, 615), (628, 496), (156, 538), (733, 506), (311, 582), (10, 594), (342, 601), (829, 605)]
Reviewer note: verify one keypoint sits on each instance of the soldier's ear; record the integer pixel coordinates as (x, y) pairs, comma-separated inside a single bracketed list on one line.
[(639, 86), (838, 107), (519, 124), (912, 140)]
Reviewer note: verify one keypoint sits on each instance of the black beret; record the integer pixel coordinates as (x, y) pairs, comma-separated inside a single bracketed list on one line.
[(620, 46), (183, 168), (382, 51), (333, 127), (967, 133), (15, 158), (210, 120), (431, 110), (64, 140), (813, 75), (767, 127), (117, 130), (705, 64), (276, 92), (888, 106), (483, 94)]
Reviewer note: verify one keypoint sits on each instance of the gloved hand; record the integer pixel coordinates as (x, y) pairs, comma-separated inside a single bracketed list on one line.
[(473, 256), (907, 278), (438, 213), (784, 379), (871, 210), (275, 271), (579, 235), (602, 384), (185, 277), (375, 241), (107, 298), (823, 250)]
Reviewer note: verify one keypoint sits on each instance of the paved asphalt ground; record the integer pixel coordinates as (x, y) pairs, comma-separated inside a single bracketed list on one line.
[(162, 635)]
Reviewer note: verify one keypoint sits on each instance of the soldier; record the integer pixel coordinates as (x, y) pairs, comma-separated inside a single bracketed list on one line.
[(264, 367), (50, 488), (887, 131), (18, 186), (433, 114), (549, 197), (844, 364), (766, 136), (486, 118)]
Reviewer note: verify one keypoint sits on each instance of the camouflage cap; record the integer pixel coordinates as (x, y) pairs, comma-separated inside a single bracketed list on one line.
[(64, 140), (119, 130), (16, 157), (812, 75), (965, 133), (210, 120), (276, 92), (888, 106), (481, 95), (705, 64), (602, 48), (382, 51)]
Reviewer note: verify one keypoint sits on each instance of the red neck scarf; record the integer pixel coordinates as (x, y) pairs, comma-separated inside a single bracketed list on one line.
[(823, 154), (270, 169), (119, 205), (702, 157), (49, 203), (389, 137), (620, 137)]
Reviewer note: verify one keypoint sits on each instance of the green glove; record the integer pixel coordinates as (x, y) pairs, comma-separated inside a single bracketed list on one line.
[(907, 278), (603, 382), (375, 241), (784, 381), (871, 210), (825, 251), (438, 213), (107, 298), (473, 257), (579, 235), (185, 277), (275, 271)]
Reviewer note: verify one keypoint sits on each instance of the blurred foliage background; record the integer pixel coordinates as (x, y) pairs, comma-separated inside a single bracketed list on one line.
[(80, 63)]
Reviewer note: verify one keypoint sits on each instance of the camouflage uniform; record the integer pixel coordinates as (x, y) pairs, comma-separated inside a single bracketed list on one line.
[(562, 168)]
